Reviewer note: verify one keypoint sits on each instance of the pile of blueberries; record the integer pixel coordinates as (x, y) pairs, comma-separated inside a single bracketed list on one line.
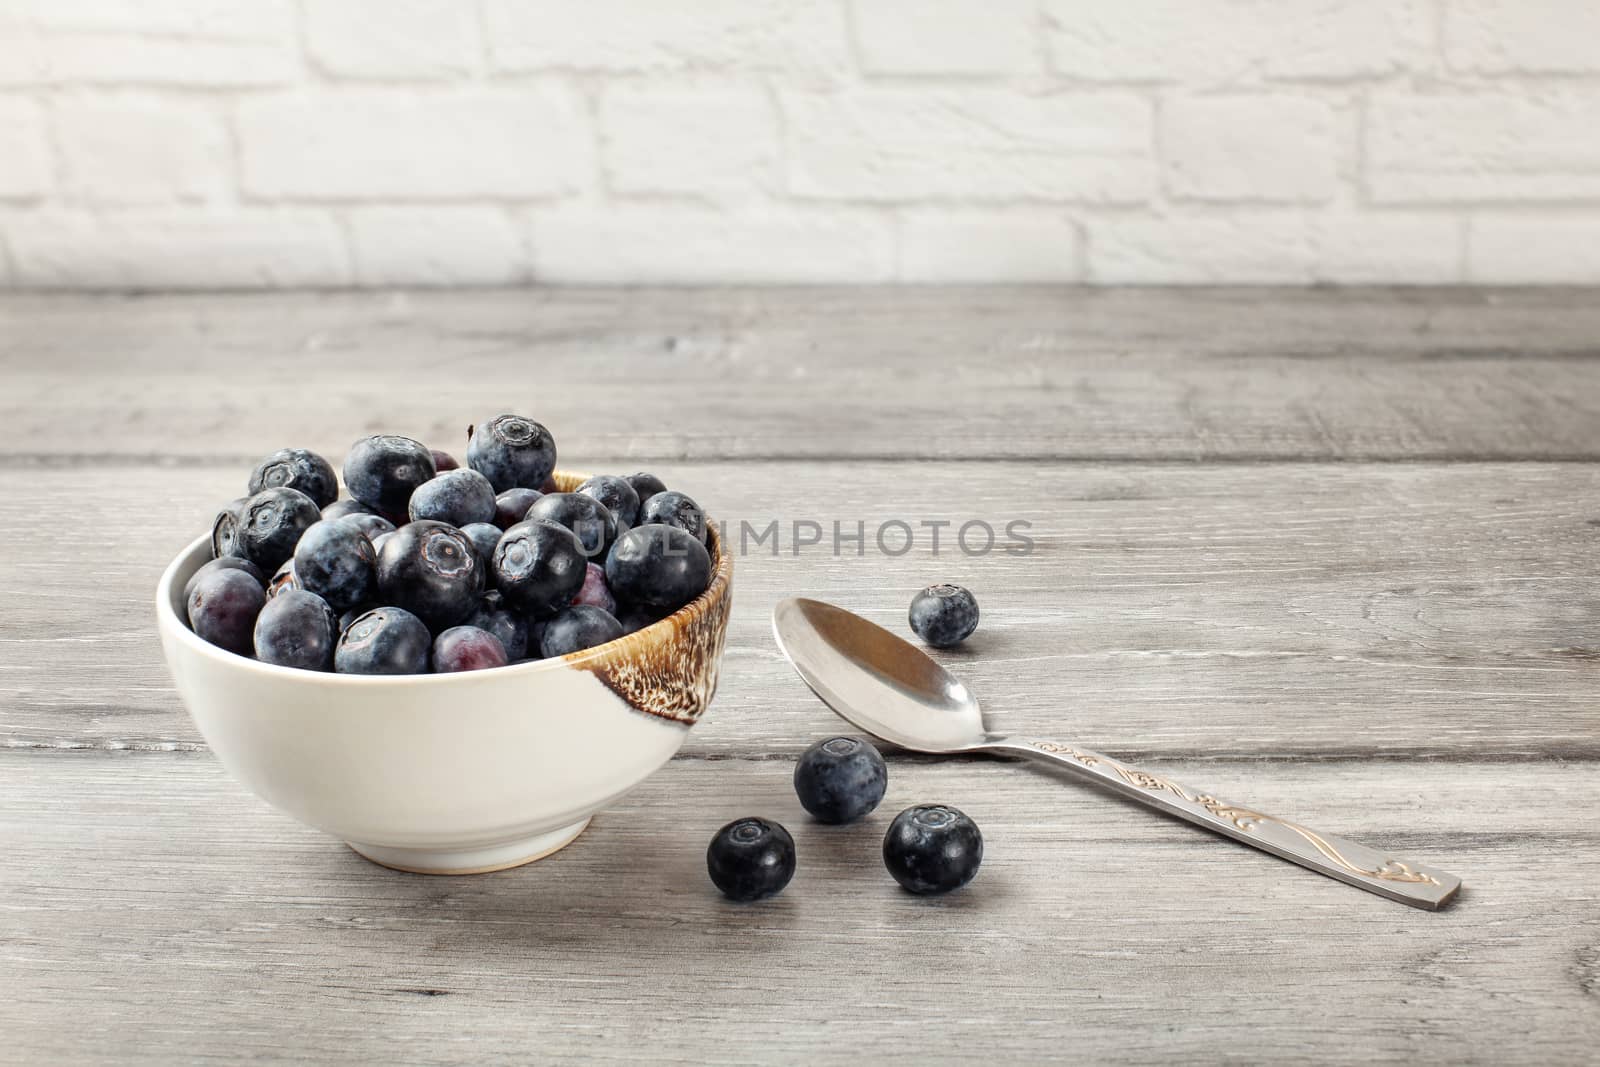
[(430, 566), (928, 849)]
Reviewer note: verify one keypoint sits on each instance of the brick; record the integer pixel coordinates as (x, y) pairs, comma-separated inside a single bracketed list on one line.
[(370, 144), (987, 144), (713, 141), (1246, 248), (677, 245), (1534, 250), (391, 39), (1372, 249), (24, 152), (220, 43), (986, 248), (436, 246), (946, 36), (1226, 41), (791, 36), (1523, 36), (1251, 147), (1489, 145), (177, 250), (141, 151)]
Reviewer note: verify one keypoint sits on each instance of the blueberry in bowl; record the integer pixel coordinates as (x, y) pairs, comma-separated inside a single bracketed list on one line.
[(442, 772)]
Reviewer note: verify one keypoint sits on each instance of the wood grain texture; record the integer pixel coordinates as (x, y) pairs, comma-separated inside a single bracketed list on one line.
[(162, 914), (1328, 553), (892, 373), (1233, 610)]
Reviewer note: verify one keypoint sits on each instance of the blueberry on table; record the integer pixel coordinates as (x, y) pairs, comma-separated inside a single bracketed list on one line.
[(385, 640), (297, 468), (576, 628), (656, 566), (283, 579), (484, 537), (337, 562), (841, 779), (538, 567), (675, 509), (944, 615), (511, 506), (467, 648), (751, 858), (512, 452), (594, 591), (225, 530), (271, 523), (585, 516), (443, 461), (341, 509), (457, 497), (509, 626), (222, 609), (932, 848), (431, 570), (616, 494), (645, 485), (297, 629), (222, 563), (383, 471)]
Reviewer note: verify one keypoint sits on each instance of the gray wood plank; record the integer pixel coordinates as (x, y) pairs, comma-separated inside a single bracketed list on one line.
[(893, 373), (1293, 611), (153, 912)]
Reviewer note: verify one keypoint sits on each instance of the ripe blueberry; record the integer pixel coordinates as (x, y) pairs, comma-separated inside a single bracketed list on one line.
[(222, 563), (340, 509), (932, 848), (751, 858), (576, 628), (383, 471), (467, 648), (944, 615), (841, 779), (384, 641), (457, 497), (484, 536), (617, 495), (538, 567), (225, 530), (335, 561), (512, 452), (509, 626), (585, 516), (297, 629), (511, 506), (297, 468), (371, 525), (283, 579), (222, 609), (431, 570), (675, 509), (646, 485), (659, 567), (270, 525)]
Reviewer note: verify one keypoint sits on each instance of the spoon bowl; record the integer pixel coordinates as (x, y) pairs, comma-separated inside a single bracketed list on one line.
[(877, 680)]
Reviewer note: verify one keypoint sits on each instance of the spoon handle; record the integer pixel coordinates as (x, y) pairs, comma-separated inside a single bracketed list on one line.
[(1360, 866)]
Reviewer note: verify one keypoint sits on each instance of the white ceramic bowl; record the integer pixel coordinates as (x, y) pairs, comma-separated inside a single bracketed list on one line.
[(452, 773)]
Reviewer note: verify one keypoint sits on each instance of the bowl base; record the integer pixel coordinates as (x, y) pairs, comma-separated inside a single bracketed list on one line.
[(471, 860)]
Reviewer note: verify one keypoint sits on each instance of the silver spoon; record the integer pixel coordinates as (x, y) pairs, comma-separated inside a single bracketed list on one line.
[(893, 690)]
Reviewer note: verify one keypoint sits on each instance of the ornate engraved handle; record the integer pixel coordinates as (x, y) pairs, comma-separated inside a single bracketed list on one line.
[(1363, 867)]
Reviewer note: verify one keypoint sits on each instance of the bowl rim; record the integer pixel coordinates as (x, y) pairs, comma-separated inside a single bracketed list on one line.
[(167, 620)]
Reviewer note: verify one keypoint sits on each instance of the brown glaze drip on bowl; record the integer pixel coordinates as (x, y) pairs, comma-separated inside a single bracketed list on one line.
[(669, 669)]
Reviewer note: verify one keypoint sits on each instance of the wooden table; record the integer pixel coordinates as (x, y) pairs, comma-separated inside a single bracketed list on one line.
[(1336, 554)]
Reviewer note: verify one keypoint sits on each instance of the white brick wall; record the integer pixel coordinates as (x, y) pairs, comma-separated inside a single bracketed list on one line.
[(243, 143)]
